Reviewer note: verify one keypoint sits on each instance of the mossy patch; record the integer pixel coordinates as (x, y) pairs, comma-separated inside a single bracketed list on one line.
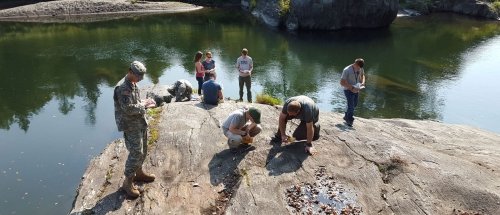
[(267, 99), (284, 6), (154, 133)]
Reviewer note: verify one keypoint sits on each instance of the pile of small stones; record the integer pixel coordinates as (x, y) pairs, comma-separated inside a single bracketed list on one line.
[(324, 196)]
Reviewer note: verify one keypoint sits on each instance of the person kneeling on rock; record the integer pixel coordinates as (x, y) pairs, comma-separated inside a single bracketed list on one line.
[(305, 109), (182, 90), (241, 126)]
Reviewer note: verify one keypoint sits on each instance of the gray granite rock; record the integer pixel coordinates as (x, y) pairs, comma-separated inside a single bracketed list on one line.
[(387, 166)]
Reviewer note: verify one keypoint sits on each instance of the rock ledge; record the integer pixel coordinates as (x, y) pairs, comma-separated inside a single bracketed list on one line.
[(388, 166)]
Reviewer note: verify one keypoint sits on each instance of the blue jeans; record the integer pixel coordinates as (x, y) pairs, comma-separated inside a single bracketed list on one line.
[(200, 83), (352, 102)]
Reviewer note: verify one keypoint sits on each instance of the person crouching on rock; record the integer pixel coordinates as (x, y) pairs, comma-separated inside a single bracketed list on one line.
[(182, 90), (241, 126), (129, 116), (305, 109)]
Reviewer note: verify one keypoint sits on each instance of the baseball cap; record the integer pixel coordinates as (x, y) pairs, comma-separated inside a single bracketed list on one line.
[(255, 114), (138, 68)]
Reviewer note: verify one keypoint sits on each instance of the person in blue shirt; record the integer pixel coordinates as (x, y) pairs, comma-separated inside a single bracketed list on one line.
[(208, 66), (212, 91)]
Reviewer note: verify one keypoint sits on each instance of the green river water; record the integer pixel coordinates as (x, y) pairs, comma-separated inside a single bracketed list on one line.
[(56, 81)]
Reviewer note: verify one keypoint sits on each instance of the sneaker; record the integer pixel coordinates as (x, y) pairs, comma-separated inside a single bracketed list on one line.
[(234, 150), (276, 139)]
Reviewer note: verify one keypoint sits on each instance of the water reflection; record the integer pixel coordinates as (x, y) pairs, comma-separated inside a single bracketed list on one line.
[(405, 62), (60, 76)]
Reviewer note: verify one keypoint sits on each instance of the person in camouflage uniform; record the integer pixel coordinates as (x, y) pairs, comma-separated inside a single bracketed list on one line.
[(182, 90), (130, 118)]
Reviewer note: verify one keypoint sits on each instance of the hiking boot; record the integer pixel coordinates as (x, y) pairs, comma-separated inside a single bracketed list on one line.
[(140, 175), (240, 100), (349, 123), (129, 188)]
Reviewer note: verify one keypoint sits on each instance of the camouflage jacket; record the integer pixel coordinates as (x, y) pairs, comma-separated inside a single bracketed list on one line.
[(129, 112), (182, 89)]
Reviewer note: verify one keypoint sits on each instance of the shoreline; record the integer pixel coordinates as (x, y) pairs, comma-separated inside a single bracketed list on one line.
[(90, 11)]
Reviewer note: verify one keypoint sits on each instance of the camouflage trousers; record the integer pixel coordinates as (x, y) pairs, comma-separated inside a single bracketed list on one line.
[(136, 142)]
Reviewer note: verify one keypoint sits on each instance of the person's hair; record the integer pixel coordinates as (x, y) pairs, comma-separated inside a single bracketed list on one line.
[(360, 62), (211, 75), (198, 56), (244, 51), (293, 107), (208, 53)]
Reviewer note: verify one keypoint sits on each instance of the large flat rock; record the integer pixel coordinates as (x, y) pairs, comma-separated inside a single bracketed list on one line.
[(387, 166)]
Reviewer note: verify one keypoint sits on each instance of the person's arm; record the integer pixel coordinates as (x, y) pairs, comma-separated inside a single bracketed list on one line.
[(310, 132), (128, 107), (213, 69), (250, 67), (249, 128), (233, 129), (238, 65), (199, 68), (363, 78), (219, 95), (344, 83), (282, 126)]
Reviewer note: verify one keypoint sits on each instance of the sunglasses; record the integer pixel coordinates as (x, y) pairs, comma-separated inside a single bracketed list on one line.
[(140, 76)]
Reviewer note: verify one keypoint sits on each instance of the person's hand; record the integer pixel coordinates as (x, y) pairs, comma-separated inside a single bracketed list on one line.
[(284, 139), (149, 103), (355, 90), (310, 150)]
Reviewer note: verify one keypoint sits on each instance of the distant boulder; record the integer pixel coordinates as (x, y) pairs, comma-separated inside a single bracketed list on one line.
[(325, 14), (467, 7)]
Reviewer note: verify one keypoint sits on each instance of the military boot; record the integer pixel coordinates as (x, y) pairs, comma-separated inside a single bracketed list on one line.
[(128, 186), (140, 175)]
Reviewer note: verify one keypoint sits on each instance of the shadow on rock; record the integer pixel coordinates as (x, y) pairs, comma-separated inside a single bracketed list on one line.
[(224, 164), (109, 203), (205, 106), (344, 127), (290, 158)]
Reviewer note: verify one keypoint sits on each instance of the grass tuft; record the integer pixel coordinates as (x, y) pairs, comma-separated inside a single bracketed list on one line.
[(267, 99), (154, 134)]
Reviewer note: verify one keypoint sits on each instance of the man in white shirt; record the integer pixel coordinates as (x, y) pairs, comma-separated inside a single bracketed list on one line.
[(244, 64)]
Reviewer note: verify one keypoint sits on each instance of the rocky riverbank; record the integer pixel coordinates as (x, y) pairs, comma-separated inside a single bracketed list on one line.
[(89, 10), (381, 166)]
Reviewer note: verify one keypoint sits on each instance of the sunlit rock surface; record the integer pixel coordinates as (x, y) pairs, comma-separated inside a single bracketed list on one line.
[(385, 166)]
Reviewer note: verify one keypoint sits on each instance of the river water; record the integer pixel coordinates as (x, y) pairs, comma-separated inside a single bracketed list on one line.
[(56, 109)]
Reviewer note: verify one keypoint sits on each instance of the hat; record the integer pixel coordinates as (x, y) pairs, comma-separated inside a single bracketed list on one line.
[(138, 68), (255, 114)]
